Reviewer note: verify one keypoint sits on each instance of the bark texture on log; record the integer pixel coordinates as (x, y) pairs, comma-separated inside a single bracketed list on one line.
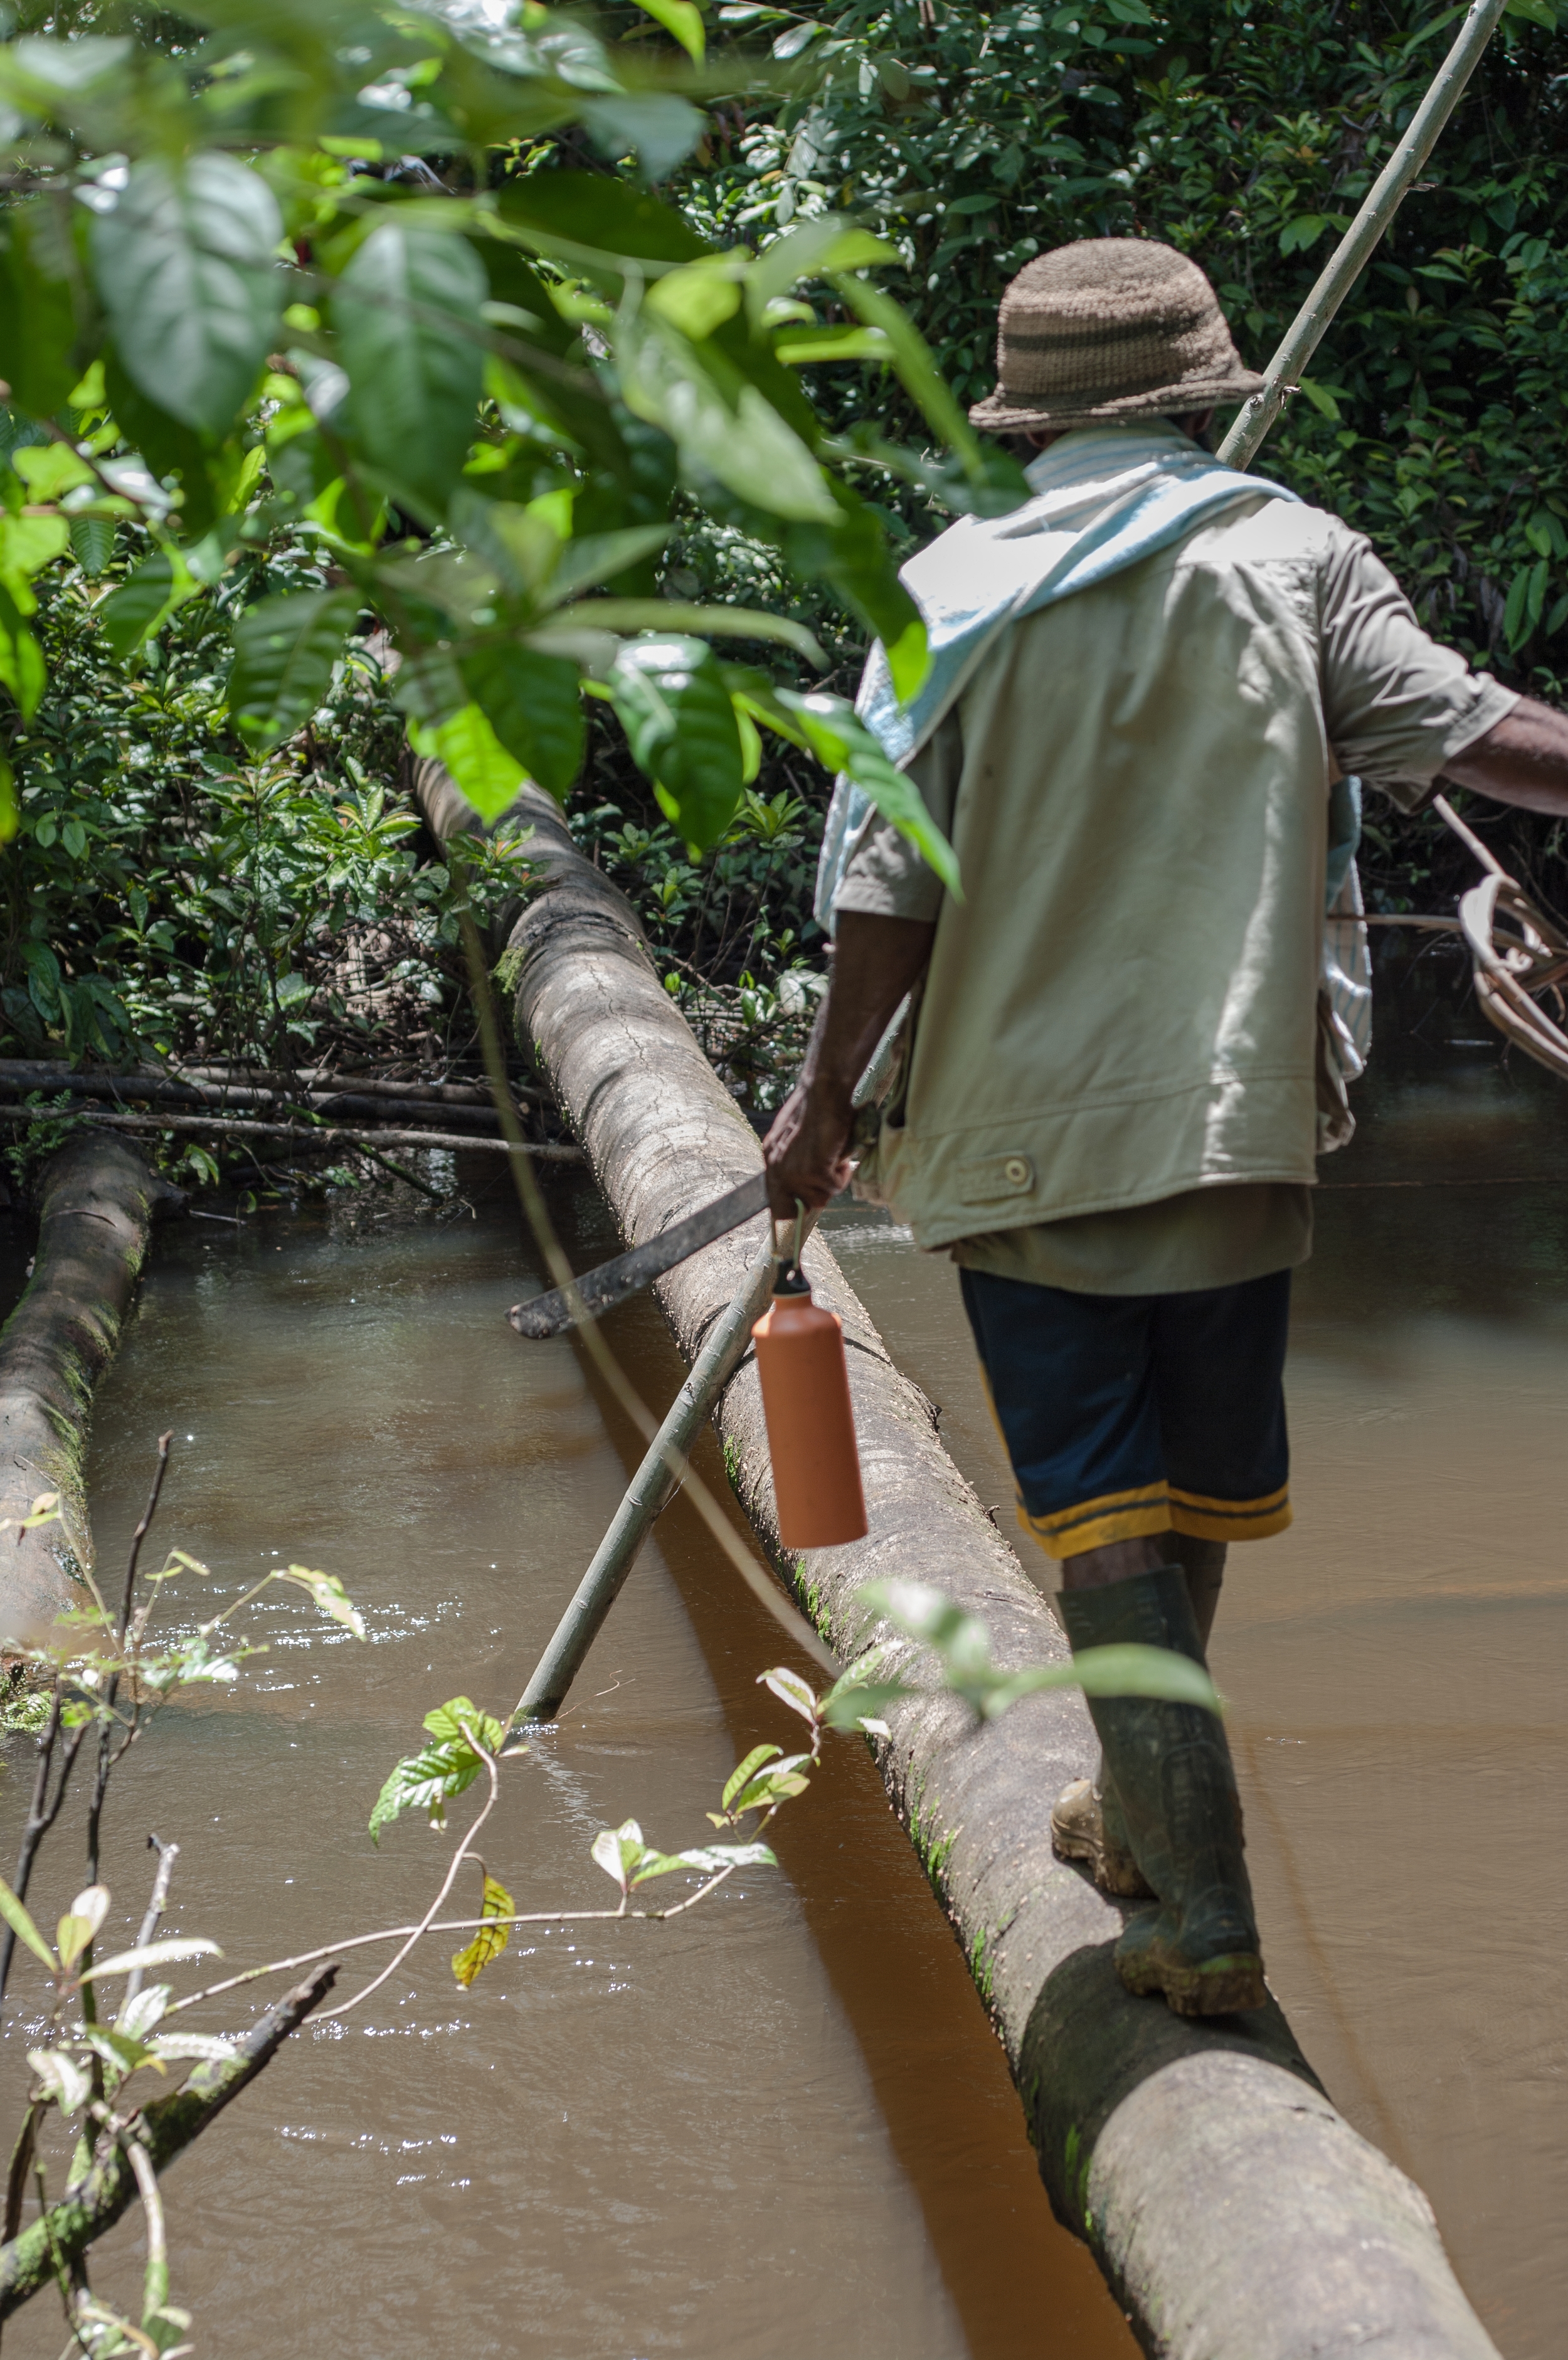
[(1236, 2214), (97, 1201)]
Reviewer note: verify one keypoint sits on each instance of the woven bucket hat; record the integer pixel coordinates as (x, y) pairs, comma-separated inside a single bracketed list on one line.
[(1110, 328)]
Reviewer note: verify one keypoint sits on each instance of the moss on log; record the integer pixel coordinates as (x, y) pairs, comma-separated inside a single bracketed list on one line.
[(1237, 2215), (97, 1201)]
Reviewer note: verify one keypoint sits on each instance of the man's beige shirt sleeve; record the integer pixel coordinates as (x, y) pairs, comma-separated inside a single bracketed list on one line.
[(885, 877), (1397, 706)]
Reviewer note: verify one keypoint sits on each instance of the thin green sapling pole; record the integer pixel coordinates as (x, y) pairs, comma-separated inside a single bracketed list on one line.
[(1354, 250)]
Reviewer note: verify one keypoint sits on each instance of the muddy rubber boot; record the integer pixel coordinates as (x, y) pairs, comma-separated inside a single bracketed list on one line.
[(1087, 1826), (1171, 1769), (1086, 1819)]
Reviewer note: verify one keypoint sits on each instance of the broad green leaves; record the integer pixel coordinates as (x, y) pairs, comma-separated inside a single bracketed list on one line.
[(412, 338), (427, 1781), (491, 1940), (131, 613), (284, 652), (184, 264), (675, 709), (15, 1916), (81, 1922), (530, 700)]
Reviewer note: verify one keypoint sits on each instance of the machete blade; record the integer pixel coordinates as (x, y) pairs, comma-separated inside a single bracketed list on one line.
[(612, 1282)]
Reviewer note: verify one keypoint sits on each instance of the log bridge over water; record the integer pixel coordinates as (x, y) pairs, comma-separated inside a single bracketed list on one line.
[(1235, 2213)]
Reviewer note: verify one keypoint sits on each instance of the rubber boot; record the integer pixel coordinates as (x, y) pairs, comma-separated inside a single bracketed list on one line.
[(1171, 1769), (1086, 1819)]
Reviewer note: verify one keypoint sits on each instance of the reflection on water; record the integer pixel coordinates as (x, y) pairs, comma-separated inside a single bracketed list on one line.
[(1395, 1660), (778, 2127)]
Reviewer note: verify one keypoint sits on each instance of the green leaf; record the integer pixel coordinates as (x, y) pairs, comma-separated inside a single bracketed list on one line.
[(696, 299), (729, 433), (121, 2051), (206, 2048), (707, 1858), (587, 210), (682, 21), (801, 345), (791, 1689), (92, 544), (491, 1940), (448, 1723), (61, 2077), (487, 773), (326, 1588), (410, 335), (657, 128), (1527, 601), (81, 1922), (185, 268), (284, 652), (618, 1851), (22, 668), (745, 1771), (429, 1780), (48, 469), (21, 1925), (532, 704), (680, 724), (155, 1954), (1537, 12), (144, 600), (38, 320), (829, 729)]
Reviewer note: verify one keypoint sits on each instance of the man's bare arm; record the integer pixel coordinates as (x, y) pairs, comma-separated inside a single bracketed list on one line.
[(1523, 761), (875, 962)]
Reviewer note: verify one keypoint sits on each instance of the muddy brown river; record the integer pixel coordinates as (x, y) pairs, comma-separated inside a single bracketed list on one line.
[(783, 2125)]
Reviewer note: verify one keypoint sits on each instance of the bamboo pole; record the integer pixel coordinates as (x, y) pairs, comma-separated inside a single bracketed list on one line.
[(647, 1495), (1354, 250)]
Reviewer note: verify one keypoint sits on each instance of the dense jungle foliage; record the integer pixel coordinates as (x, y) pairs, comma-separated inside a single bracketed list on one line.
[(186, 880)]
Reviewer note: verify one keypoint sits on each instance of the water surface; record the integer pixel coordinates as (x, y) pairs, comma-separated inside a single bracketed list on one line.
[(782, 2126)]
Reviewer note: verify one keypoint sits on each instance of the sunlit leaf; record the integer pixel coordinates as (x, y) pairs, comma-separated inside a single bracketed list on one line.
[(491, 1940), (185, 266), (708, 1859), (744, 1771), (429, 1780), (21, 1925), (683, 20), (330, 1596), (120, 2051), (534, 707), (618, 1851), (22, 668), (138, 2016), (791, 1689), (61, 2077), (206, 2048), (155, 1954), (488, 774), (77, 1928)]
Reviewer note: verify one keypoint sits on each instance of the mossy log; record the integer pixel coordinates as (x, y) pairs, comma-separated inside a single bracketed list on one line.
[(97, 1201), (1236, 2214)]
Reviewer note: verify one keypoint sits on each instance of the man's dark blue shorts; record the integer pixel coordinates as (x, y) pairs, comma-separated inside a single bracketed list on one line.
[(1132, 1414)]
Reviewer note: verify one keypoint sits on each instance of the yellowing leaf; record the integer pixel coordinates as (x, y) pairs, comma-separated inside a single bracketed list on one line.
[(491, 1940)]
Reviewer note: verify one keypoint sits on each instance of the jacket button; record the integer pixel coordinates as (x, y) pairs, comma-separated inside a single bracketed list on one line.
[(1016, 1170)]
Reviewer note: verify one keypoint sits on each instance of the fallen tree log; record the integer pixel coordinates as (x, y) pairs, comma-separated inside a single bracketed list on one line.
[(1236, 2214), (221, 1126), (235, 1098), (97, 1201)]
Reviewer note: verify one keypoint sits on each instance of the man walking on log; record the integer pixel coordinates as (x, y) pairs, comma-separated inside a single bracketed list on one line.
[(1151, 692)]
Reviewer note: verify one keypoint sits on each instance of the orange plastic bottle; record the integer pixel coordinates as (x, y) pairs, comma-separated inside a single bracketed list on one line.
[(811, 1426)]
